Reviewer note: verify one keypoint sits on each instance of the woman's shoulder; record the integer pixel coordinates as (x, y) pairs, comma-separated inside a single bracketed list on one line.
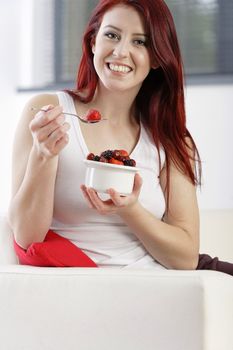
[(41, 100), (34, 103)]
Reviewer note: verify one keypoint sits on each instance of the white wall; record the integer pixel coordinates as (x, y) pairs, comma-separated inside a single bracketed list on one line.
[(210, 119), (9, 54), (209, 115)]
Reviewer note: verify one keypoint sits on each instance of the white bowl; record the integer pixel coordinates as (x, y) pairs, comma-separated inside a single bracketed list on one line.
[(103, 176)]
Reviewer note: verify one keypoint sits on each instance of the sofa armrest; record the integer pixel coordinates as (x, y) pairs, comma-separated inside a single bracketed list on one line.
[(91, 309), (7, 253)]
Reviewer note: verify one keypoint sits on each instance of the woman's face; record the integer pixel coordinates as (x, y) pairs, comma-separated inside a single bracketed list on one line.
[(121, 53)]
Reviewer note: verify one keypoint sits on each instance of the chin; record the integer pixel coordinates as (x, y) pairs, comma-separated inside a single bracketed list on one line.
[(120, 87)]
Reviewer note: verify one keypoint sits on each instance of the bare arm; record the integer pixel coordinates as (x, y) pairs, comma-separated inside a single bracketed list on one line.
[(173, 242), (38, 141)]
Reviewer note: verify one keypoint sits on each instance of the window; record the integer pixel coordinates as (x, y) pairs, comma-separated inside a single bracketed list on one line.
[(51, 34), (51, 41), (70, 20), (205, 31)]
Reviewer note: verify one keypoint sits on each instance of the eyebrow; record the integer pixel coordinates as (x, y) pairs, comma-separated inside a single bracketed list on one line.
[(119, 30)]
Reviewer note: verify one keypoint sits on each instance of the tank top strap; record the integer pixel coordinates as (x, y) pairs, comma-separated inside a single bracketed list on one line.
[(67, 102)]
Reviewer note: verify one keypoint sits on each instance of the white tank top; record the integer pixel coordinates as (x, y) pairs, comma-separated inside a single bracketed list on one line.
[(104, 238)]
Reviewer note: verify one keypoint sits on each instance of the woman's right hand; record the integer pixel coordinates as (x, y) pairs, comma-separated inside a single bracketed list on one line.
[(49, 131)]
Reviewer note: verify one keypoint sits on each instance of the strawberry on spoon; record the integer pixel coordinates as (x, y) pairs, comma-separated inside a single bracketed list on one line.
[(93, 116)]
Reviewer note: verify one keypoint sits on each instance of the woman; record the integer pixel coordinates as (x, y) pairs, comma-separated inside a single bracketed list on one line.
[(131, 71)]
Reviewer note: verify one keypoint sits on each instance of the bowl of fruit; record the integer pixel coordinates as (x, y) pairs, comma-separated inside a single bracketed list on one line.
[(111, 169)]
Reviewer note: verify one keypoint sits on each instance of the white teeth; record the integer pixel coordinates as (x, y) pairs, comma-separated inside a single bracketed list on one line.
[(116, 68)]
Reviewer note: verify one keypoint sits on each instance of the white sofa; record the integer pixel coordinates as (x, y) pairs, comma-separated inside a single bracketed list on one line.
[(105, 309)]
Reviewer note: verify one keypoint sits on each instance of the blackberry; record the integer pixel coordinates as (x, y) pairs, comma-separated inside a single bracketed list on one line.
[(107, 154), (96, 158), (129, 162)]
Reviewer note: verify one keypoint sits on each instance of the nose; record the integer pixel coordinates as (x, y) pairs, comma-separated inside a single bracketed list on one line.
[(121, 49)]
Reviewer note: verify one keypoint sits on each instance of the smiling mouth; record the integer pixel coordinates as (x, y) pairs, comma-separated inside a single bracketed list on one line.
[(119, 68)]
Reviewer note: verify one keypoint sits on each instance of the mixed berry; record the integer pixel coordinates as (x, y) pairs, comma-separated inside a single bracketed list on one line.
[(117, 156)]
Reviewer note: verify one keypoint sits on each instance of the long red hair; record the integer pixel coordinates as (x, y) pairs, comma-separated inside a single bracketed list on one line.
[(160, 100)]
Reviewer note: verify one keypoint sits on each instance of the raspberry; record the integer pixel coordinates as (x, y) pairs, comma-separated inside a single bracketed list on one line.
[(123, 153), (116, 154), (107, 154), (90, 156)]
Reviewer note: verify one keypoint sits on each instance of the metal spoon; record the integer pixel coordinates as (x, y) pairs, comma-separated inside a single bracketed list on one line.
[(74, 115)]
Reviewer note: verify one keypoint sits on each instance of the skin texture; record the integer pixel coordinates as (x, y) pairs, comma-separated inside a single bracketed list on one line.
[(40, 137)]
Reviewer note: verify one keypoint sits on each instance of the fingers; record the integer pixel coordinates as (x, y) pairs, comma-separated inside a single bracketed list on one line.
[(58, 145), (43, 118), (49, 129), (116, 203), (84, 191), (100, 205), (56, 140), (117, 199), (126, 201), (94, 201), (137, 184), (55, 135)]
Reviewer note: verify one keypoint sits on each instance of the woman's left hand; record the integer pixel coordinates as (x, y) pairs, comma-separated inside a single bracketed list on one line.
[(116, 203)]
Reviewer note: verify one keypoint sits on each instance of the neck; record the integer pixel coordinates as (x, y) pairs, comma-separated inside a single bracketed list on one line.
[(117, 107)]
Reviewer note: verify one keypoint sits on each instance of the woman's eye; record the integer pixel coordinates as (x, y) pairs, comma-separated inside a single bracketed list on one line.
[(139, 42), (112, 35)]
